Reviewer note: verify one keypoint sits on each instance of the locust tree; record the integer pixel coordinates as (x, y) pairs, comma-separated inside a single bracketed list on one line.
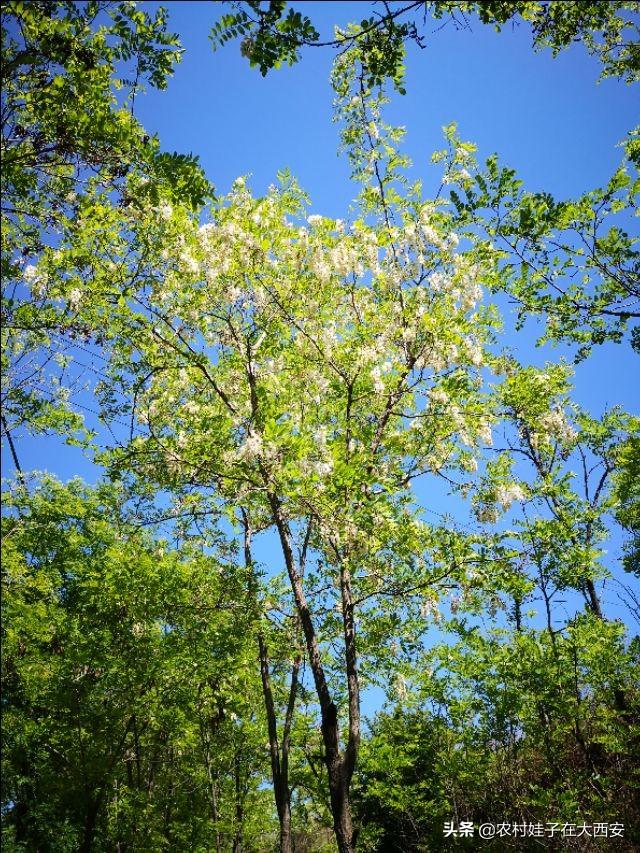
[(299, 372), (273, 34), (530, 693), (71, 73), (572, 264)]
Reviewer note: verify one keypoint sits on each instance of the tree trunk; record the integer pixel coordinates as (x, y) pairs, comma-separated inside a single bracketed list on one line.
[(338, 782), (238, 839), (286, 840), (279, 759), (89, 830), (593, 600), (213, 794), (340, 769), (279, 753)]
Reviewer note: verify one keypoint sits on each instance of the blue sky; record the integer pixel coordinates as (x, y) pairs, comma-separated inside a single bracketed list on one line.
[(547, 118)]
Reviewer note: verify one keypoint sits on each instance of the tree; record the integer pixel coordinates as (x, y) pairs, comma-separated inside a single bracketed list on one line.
[(71, 145), (537, 700), (274, 35), (127, 673), (627, 497), (572, 264), (271, 373), (560, 465), (300, 377), (507, 724)]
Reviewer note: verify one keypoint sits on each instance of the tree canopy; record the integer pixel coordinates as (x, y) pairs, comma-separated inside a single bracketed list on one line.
[(275, 402), (274, 33)]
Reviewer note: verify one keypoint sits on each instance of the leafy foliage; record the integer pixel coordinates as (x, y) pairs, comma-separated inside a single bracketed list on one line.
[(70, 141), (607, 30), (627, 493), (273, 375), (125, 664), (269, 36), (573, 264), (506, 726)]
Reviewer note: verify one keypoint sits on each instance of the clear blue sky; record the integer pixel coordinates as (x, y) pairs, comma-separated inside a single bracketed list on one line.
[(548, 118)]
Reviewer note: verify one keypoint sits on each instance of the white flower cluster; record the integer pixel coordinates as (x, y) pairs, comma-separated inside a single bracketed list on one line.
[(188, 263), (252, 446), (438, 396), (191, 407), (470, 464), (507, 493), (74, 298), (400, 687), (461, 283), (473, 352), (323, 468), (484, 431), (230, 241), (30, 273), (429, 609), (480, 428), (469, 290), (378, 383), (555, 425), (207, 231), (36, 281)]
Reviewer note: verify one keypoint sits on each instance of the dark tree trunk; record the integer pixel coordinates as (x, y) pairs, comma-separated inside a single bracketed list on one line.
[(338, 782), (593, 600), (340, 767), (90, 821), (213, 793), (238, 839), (20, 816), (279, 752)]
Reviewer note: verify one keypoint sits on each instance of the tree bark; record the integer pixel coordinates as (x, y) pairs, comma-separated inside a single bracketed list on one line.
[(340, 768), (279, 757), (89, 829), (279, 752), (213, 794), (238, 839)]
